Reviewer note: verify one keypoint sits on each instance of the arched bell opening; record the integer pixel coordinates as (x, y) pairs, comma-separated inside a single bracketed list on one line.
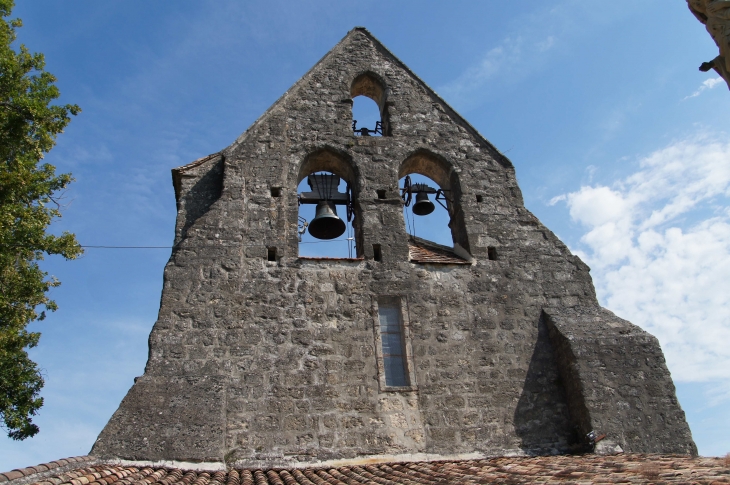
[(366, 118), (328, 222), (432, 200), (369, 107), (424, 215)]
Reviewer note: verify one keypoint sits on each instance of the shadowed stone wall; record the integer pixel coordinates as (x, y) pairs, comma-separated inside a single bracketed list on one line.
[(617, 382), (276, 362), (715, 16)]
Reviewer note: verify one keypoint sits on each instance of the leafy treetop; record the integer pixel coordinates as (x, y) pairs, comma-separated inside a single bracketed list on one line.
[(29, 125)]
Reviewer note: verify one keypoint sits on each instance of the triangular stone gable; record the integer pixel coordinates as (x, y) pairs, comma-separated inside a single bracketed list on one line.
[(359, 38), (262, 358)]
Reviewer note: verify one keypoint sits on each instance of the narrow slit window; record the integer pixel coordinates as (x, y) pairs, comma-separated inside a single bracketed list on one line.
[(377, 255), (276, 191), (381, 193), (391, 334), (492, 253), (271, 254)]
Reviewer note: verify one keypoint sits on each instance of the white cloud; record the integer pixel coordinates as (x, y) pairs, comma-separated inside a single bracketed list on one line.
[(718, 393), (658, 243), (591, 172), (707, 84), (533, 42), (498, 59), (516, 56), (545, 44)]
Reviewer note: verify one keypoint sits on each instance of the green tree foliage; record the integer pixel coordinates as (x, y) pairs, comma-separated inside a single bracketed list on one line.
[(28, 203)]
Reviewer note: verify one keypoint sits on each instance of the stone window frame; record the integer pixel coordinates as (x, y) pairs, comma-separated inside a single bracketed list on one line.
[(410, 368)]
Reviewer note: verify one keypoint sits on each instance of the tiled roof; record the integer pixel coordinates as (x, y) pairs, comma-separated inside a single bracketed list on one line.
[(422, 251), (625, 468)]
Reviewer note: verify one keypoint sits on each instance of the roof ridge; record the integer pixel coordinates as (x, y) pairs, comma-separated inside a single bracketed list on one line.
[(425, 251), (22, 476), (427, 242)]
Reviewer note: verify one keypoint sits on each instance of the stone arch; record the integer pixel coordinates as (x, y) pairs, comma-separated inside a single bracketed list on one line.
[(441, 171), (373, 86), (340, 163), (329, 159)]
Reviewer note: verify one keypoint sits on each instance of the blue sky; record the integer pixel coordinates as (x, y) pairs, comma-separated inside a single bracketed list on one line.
[(619, 143)]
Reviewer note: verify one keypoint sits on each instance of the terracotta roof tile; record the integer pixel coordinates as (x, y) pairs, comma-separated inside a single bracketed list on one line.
[(626, 468), (422, 251)]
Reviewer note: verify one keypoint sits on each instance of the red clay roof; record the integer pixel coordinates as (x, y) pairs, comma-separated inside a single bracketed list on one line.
[(422, 251), (625, 468)]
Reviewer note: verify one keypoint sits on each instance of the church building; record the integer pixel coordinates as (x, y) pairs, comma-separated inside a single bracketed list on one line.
[(402, 349)]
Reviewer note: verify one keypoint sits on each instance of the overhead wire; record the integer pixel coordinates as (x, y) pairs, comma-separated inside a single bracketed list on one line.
[(349, 239), (413, 223), (94, 246)]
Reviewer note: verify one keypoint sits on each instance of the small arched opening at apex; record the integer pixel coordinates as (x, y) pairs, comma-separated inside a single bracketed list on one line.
[(369, 107)]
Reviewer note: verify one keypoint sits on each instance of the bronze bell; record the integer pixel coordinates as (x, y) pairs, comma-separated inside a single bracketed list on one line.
[(326, 224), (423, 206)]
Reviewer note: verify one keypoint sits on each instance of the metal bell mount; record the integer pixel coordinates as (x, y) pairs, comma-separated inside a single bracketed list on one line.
[(423, 205)]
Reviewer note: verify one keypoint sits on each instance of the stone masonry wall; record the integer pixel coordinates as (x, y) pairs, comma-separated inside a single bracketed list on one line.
[(635, 408), (275, 362)]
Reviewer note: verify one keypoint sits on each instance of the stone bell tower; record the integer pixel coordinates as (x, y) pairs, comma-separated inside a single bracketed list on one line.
[(407, 350)]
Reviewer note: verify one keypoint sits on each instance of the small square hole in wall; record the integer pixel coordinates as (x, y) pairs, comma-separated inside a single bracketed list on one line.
[(276, 191), (492, 253), (377, 254), (381, 193), (271, 254), (480, 199)]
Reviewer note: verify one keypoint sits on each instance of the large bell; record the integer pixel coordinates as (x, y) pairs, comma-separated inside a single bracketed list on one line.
[(326, 224), (423, 206)]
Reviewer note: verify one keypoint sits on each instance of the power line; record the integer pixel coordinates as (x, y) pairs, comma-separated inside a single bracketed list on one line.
[(126, 247), (91, 246)]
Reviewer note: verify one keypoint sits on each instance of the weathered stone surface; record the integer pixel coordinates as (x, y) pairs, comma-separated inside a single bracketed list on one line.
[(617, 382), (715, 15), (278, 362)]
